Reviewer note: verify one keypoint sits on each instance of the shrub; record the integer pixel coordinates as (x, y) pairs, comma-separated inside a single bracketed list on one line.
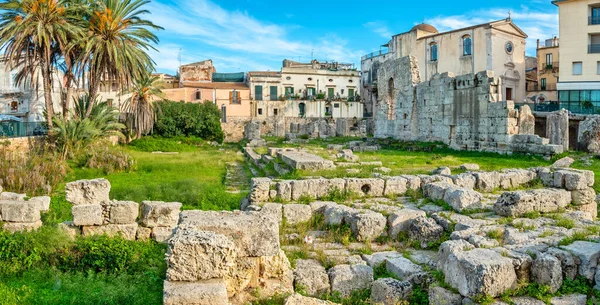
[(189, 119), (102, 155)]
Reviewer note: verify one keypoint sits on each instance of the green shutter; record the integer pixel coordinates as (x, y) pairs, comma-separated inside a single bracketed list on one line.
[(330, 92), (258, 95), (274, 96)]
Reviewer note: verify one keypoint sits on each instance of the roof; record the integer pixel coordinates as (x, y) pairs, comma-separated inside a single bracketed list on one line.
[(424, 27), (199, 63), (487, 24), (219, 85), (264, 73)]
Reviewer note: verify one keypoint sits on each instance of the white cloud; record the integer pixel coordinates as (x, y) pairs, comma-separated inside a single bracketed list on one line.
[(380, 28), (537, 24), (204, 23)]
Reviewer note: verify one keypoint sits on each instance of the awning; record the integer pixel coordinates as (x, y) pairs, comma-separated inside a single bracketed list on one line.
[(6, 117)]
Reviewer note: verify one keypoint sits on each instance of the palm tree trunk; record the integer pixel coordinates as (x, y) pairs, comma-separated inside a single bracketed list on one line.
[(47, 80), (94, 82), (68, 83)]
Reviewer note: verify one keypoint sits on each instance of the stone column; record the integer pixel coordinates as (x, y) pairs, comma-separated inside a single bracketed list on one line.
[(526, 121), (589, 135), (557, 128)]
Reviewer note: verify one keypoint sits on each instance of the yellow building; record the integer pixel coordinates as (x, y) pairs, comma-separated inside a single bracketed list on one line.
[(579, 82), (547, 70)]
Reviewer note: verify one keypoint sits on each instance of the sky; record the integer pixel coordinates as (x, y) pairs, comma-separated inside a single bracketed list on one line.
[(253, 35)]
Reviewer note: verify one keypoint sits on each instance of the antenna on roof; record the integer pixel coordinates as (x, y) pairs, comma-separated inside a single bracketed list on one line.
[(509, 13)]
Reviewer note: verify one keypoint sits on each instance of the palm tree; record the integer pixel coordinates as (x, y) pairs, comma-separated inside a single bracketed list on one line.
[(140, 107), (115, 50), (31, 32)]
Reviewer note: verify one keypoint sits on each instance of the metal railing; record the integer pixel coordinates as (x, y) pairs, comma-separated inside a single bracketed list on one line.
[(572, 107), (593, 20), (551, 65), (593, 48), (539, 87), (374, 54), (10, 129)]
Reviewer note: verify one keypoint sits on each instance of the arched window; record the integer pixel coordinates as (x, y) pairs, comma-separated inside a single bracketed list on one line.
[(467, 43), (302, 109), (391, 99), (433, 51)]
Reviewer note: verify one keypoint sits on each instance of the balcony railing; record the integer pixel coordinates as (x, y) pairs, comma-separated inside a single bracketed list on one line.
[(593, 20), (551, 65), (374, 54), (539, 87), (594, 48)]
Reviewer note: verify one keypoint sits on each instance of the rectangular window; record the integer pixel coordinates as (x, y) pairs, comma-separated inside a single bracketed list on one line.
[(310, 92), (563, 96), (275, 111), (259, 111), (289, 91), (574, 96), (258, 95), (434, 52), (336, 105), (549, 59), (598, 67), (543, 84), (351, 94), (273, 93), (577, 68), (331, 92), (595, 16), (234, 97), (467, 46)]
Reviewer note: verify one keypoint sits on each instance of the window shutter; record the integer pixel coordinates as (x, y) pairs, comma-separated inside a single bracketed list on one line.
[(230, 96)]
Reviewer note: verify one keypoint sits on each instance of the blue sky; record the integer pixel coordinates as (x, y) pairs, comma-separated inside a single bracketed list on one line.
[(248, 35)]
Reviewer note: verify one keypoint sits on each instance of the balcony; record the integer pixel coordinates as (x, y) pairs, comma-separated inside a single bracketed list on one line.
[(593, 20), (551, 65), (374, 54), (593, 48), (539, 87)]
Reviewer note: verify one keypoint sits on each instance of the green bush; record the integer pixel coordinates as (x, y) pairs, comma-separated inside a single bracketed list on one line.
[(150, 144), (201, 120)]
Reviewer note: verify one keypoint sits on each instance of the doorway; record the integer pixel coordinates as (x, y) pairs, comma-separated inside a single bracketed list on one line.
[(509, 94)]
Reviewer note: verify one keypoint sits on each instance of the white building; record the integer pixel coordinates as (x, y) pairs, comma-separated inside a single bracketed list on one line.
[(307, 90), (497, 46)]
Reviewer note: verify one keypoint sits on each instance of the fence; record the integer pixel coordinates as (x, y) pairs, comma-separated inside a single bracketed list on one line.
[(12, 129)]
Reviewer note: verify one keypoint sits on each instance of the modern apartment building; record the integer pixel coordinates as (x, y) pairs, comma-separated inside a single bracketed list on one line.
[(579, 76)]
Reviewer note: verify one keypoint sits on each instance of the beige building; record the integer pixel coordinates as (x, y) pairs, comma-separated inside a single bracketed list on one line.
[(579, 30), (307, 90), (547, 74), (497, 46)]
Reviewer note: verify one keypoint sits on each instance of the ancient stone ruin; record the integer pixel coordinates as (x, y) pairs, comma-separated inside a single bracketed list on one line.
[(18, 214), (465, 112)]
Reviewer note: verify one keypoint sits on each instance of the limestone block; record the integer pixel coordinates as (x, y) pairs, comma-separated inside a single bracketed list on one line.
[(277, 268), (297, 213), (210, 292), (345, 278), (259, 189), (12, 196), (584, 197), (319, 206), (479, 271), (43, 203), (143, 233), (436, 191), (311, 276), (405, 270), (590, 209), (443, 170), (449, 248), (572, 299), (161, 234), (587, 254), (461, 199), (589, 134), (371, 187), (546, 270), (412, 182), (442, 296), (378, 258), (401, 220), (516, 204), (526, 121), (273, 210), (395, 186), (573, 179), (87, 215), (160, 214), (13, 227), (514, 178), (335, 214), (127, 231), (367, 226), (557, 128), (388, 291), (284, 190), (425, 179), (425, 230), (567, 262), (469, 167), (70, 229), (487, 181), (253, 233), (199, 255), (298, 299), (19, 211), (565, 162), (465, 180), (87, 192), (123, 212)]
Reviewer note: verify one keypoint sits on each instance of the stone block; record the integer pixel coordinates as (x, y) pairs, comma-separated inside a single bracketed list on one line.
[(587, 254), (297, 213), (461, 199), (127, 231), (143, 233), (335, 214), (210, 292), (405, 270), (572, 299), (87, 215), (12, 196), (371, 187), (442, 296), (123, 212), (425, 230), (88, 192), (14, 227), (436, 191), (367, 226), (273, 210), (199, 255), (161, 234), (70, 229), (43, 202), (284, 190), (395, 186), (254, 234), (546, 270), (19, 211), (412, 182), (465, 180), (259, 189), (584, 197), (378, 258), (389, 291), (487, 181), (519, 203), (345, 278), (573, 179), (479, 271), (298, 299), (401, 220), (160, 214), (469, 167), (567, 262), (312, 277)]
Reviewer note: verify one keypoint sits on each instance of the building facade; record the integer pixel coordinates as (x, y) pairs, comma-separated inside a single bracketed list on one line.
[(497, 46), (579, 76), (544, 92), (307, 90)]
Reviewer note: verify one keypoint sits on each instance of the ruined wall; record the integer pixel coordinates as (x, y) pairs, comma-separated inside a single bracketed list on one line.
[(460, 111), (22, 144)]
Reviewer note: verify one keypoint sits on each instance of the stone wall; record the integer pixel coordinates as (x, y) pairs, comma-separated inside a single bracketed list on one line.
[(18, 214), (461, 111), (22, 144), (95, 214)]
